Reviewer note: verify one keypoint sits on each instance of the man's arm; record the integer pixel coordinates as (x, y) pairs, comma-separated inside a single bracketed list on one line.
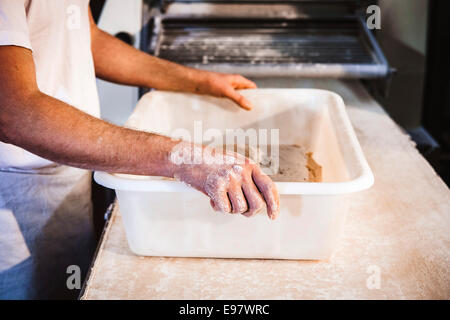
[(119, 62), (59, 132)]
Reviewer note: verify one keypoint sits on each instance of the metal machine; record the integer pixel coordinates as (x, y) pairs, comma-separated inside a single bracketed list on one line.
[(296, 38)]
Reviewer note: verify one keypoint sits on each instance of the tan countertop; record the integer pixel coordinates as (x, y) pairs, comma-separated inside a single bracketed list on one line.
[(395, 243)]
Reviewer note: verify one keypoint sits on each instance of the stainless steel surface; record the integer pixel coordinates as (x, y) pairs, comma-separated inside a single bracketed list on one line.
[(297, 38), (271, 43)]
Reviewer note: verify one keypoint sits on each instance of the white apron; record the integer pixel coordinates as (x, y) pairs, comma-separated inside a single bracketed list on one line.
[(45, 214), (46, 225)]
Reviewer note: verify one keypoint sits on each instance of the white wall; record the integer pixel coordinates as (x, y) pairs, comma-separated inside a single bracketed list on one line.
[(405, 20), (118, 101)]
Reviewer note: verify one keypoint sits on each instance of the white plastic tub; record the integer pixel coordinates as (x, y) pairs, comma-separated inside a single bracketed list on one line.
[(166, 218)]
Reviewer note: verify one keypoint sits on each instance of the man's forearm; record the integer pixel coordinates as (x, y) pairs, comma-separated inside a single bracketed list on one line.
[(59, 132), (119, 62)]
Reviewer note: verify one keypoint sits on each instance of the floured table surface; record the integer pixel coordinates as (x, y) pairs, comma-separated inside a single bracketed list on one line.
[(395, 243)]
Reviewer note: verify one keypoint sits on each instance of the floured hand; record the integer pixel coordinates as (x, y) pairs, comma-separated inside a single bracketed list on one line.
[(234, 183)]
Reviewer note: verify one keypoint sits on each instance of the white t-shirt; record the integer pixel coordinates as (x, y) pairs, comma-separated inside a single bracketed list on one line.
[(58, 33)]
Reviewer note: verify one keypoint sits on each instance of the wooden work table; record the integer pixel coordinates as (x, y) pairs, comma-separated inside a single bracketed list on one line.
[(398, 230)]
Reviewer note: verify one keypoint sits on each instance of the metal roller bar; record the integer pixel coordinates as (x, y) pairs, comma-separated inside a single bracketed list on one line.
[(336, 49)]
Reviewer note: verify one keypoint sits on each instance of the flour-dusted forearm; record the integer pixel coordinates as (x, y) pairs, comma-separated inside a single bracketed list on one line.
[(59, 132)]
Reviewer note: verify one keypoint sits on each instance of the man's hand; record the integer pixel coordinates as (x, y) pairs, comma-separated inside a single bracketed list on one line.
[(224, 85), (234, 183)]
